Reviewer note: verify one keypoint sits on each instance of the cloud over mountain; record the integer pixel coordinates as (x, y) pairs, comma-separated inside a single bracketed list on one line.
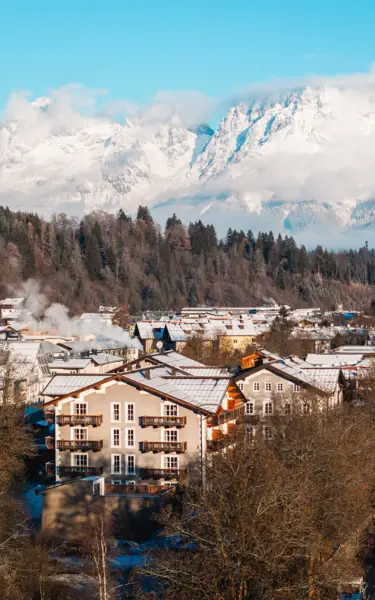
[(288, 155)]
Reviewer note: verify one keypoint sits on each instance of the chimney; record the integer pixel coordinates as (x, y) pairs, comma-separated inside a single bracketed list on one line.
[(174, 372), (242, 325), (147, 374), (230, 326)]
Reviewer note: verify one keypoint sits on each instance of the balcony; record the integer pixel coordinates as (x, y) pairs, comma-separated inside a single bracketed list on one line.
[(79, 471), (162, 473), (94, 445), (167, 447), (163, 422), (84, 420), (225, 417), (141, 489)]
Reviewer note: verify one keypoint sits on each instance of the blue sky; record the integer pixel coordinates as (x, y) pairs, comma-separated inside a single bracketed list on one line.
[(135, 48)]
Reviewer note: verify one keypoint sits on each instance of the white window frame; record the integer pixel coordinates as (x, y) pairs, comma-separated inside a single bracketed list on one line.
[(113, 404), (73, 429), (113, 429), (240, 385), (296, 387), (113, 472), (249, 404), (80, 455), (116, 481), (168, 431), (127, 420), (267, 385), (165, 404), (127, 472), (250, 439), (266, 403), (130, 481), (267, 428), (280, 386), (127, 429), (165, 460), (289, 408), (256, 386), (73, 410)]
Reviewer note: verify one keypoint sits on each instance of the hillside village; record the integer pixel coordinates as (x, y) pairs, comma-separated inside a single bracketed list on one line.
[(127, 423)]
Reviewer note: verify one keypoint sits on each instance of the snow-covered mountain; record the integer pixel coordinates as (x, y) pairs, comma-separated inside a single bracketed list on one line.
[(302, 163)]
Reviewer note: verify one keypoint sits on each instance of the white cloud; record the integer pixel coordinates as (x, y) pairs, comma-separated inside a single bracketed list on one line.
[(55, 149)]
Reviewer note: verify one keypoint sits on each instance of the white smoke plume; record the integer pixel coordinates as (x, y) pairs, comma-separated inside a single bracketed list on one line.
[(39, 314)]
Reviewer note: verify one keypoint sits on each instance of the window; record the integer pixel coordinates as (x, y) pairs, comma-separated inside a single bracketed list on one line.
[(240, 385), (249, 408), (171, 462), (170, 410), (268, 408), (80, 408), (130, 464), (116, 481), (256, 386), (171, 435), (287, 408), (280, 387), (267, 432), (249, 434), (129, 438), (79, 433), (116, 464), (115, 409), (130, 412), (80, 460), (130, 482), (306, 408), (116, 438), (296, 388), (268, 386)]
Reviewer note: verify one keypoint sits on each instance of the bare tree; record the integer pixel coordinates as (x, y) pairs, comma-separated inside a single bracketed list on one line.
[(276, 520)]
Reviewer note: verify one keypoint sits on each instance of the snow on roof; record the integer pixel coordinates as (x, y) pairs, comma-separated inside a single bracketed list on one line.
[(146, 329), (207, 371), (322, 379), (71, 363), (355, 350), (202, 393), (12, 301), (104, 358), (60, 385), (174, 359), (27, 351), (333, 360)]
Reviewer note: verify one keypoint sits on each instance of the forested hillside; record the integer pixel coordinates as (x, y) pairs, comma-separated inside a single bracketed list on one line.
[(107, 259)]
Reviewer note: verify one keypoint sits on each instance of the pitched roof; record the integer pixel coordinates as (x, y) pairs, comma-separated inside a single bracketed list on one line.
[(62, 385)]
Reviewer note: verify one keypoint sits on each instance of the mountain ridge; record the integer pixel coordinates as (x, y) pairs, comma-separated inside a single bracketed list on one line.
[(295, 162)]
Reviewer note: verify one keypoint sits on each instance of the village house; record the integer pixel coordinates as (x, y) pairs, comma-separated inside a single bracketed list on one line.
[(95, 363), (276, 387), (140, 430)]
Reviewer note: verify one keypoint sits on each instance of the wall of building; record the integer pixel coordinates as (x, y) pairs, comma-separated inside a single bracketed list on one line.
[(100, 402)]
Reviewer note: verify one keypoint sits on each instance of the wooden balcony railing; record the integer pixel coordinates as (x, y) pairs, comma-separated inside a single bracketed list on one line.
[(162, 473), (84, 420), (178, 447), (163, 421), (94, 445), (228, 415), (79, 471), (138, 488)]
